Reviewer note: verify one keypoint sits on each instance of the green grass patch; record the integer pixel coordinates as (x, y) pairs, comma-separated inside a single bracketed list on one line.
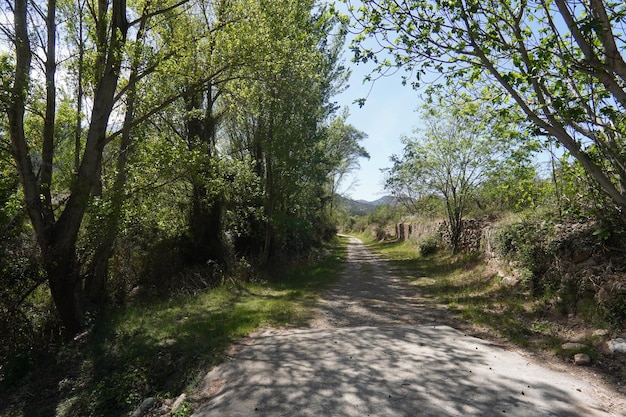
[(391, 249), (163, 348), (474, 293)]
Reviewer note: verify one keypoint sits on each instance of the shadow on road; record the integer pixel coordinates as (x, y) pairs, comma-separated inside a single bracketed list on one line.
[(377, 349), (393, 371)]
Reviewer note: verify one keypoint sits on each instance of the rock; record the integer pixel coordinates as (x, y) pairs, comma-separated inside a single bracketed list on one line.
[(582, 359), (600, 332), (573, 346), (617, 345), (509, 280), (144, 407), (179, 401)]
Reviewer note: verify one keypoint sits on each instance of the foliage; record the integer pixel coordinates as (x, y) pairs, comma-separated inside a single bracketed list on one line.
[(526, 244), (463, 145), (162, 347), (561, 63), (277, 119), (343, 150), (385, 214), (430, 245), (203, 128), (514, 184)]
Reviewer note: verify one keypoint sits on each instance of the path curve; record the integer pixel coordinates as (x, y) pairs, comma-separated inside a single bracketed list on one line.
[(377, 349)]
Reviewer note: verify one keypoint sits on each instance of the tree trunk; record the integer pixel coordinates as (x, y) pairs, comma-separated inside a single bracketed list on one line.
[(269, 209), (57, 239), (206, 227), (205, 223), (66, 289), (95, 285)]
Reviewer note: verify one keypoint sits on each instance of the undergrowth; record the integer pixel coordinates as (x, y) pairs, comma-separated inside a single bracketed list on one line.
[(161, 347)]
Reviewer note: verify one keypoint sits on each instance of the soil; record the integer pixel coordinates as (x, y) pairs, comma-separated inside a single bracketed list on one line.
[(370, 293)]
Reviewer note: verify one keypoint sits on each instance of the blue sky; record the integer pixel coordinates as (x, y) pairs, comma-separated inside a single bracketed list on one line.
[(388, 114)]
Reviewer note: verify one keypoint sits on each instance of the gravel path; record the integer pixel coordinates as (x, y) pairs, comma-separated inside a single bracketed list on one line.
[(370, 294), (377, 349)]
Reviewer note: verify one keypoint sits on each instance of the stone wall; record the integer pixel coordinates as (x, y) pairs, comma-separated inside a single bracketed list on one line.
[(471, 239), (416, 230)]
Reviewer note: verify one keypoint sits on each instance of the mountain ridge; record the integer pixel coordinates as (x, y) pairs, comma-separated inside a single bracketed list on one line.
[(362, 207)]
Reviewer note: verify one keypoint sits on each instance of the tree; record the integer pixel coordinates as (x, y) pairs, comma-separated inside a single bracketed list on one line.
[(57, 210), (461, 144), (276, 112), (57, 235), (94, 91), (343, 151), (562, 62)]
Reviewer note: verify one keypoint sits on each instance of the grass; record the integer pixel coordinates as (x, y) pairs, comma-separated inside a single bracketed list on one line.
[(163, 348), (474, 293)]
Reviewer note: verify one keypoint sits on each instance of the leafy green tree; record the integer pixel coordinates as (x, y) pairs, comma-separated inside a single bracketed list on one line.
[(343, 150), (461, 145), (562, 62), (57, 210), (57, 234), (276, 110), (159, 104), (515, 183)]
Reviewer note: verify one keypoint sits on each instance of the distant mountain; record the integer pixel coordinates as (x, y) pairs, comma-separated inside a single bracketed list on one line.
[(385, 200), (363, 207)]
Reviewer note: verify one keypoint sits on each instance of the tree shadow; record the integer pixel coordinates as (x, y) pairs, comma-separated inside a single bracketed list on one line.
[(426, 371)]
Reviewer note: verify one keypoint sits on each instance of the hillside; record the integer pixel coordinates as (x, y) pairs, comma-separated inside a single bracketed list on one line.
[(363, 207)]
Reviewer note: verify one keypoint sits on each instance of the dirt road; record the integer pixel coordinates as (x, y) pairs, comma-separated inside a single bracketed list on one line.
[(370, 294), (377, 349)]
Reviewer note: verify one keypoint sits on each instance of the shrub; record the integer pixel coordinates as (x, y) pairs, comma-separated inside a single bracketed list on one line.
[(526, 244), (430, 245)]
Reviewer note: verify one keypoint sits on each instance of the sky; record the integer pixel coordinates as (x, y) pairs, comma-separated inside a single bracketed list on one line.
[(388, 114)]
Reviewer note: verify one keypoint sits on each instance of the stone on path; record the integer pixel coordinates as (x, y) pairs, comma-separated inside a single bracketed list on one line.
[(582, 359), (617, 345), (573, 346)]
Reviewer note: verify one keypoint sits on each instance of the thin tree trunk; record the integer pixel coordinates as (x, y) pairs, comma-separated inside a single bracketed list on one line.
[(79, 93), (47, 154), (95, 284), (269, 210), (205, 223)]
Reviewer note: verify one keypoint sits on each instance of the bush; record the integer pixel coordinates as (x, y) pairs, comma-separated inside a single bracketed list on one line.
[(526, 244), (430, 245)]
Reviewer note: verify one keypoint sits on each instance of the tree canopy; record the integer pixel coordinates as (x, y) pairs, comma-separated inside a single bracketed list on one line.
[(562, 62), (203, 123), (462, 145)]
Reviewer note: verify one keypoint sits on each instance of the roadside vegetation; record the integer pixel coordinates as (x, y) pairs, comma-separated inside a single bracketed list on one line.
[(482, 301), (161, 347), (162, 163), (551, 78)]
